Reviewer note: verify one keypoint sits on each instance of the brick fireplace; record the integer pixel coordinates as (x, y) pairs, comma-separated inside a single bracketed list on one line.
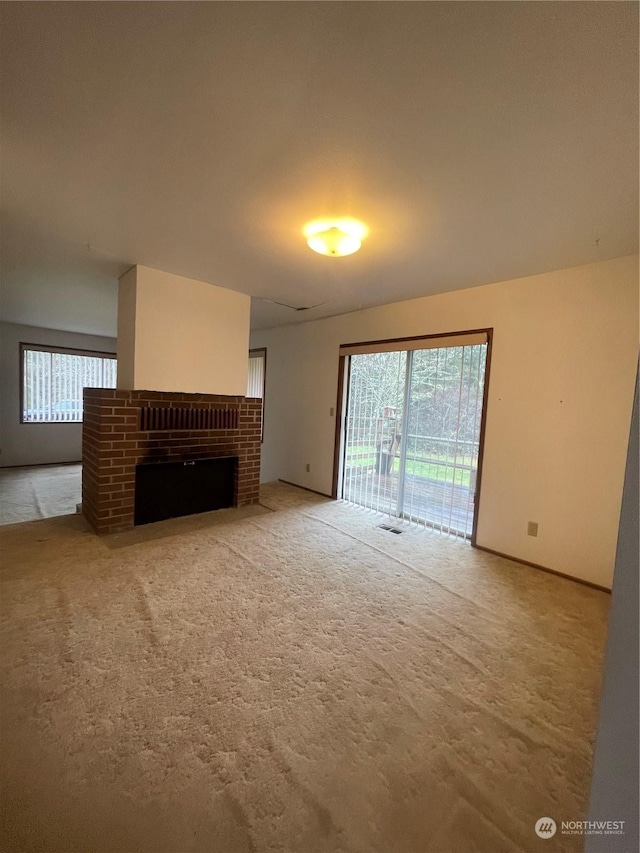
[(122, 429)]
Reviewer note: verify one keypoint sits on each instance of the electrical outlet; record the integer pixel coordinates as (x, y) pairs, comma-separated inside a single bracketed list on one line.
[(331, 411), (532, 528), (307, 468)]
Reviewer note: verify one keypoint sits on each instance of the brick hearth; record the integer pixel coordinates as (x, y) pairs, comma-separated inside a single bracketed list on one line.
[(176, 427)]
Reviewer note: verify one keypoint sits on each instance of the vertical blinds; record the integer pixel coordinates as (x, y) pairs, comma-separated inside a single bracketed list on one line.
[(53, 381), (412, 431), (255, 384)]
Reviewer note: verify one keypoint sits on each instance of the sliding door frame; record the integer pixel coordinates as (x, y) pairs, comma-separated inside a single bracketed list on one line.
[(344, 379), (483, 424), (344, 376)]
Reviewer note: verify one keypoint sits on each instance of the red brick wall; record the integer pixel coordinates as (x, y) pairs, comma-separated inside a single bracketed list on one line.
[(113, 444)]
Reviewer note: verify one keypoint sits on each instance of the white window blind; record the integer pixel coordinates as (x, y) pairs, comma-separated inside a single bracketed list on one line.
[(255, 384), (53, 380)]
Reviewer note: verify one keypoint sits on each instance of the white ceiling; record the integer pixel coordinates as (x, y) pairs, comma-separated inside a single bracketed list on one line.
[(479, 141)]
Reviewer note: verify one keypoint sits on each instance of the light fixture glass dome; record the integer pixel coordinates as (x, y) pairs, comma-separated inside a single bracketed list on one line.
[(335, 238)]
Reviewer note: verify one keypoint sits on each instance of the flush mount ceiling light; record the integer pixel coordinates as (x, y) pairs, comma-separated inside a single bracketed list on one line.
[(335, 237)]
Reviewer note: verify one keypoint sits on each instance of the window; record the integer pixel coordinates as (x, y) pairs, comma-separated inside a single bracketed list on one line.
[(412, 431), (257, 377), (257, 364), (53, 379)]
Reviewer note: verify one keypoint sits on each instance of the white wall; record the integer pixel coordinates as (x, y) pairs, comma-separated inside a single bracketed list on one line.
[(614, 787), (127, 297), (36, 444), (177, 334), (564, 353)]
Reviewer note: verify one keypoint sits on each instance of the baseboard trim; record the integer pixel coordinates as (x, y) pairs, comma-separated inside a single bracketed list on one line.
[(543, 569), (304, 488), (40, 465)]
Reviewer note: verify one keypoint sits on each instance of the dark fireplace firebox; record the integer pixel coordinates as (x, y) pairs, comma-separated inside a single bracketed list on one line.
[(172, 489)]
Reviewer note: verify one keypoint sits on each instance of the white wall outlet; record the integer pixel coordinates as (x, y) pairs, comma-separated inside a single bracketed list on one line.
[(307, 468), (532, 528)]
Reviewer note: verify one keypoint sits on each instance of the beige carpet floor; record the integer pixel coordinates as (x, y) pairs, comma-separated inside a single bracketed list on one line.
[(289, 678), (41, 491)]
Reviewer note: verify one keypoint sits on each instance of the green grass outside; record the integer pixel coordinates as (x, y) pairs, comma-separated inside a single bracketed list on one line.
[(431, 468)]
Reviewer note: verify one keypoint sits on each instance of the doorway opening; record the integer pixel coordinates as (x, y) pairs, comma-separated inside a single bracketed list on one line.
[(412, 428)]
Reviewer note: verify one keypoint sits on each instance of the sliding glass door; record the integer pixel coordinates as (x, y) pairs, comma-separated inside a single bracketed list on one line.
[(412, 432), (375, 413)]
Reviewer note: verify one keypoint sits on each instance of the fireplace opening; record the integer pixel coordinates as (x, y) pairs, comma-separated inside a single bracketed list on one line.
[(172, 489)]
